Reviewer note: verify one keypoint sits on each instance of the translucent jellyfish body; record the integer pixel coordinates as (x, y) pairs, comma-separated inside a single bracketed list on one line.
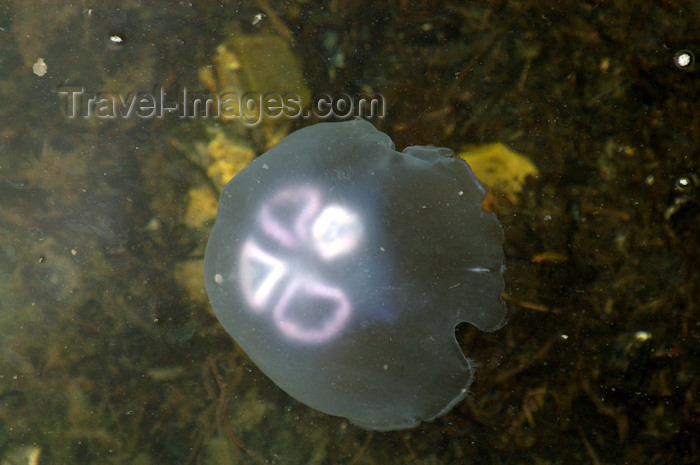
[(342, 268)]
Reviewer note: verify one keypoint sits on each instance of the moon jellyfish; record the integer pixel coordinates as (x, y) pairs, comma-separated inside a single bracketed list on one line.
[(342, 267)]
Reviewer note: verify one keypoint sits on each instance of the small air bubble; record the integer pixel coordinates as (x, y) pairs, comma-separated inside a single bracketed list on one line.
[(682, 182), (684, 60)]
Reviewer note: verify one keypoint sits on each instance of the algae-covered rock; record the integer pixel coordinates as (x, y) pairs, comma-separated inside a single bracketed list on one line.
[(269, 66), (499, 168), (258, 81)]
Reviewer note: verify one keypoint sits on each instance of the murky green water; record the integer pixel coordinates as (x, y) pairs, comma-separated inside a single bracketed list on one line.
[(109, 351)]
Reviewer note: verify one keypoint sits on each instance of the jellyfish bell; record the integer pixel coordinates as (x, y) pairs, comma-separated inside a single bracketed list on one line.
[(342, 268)]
